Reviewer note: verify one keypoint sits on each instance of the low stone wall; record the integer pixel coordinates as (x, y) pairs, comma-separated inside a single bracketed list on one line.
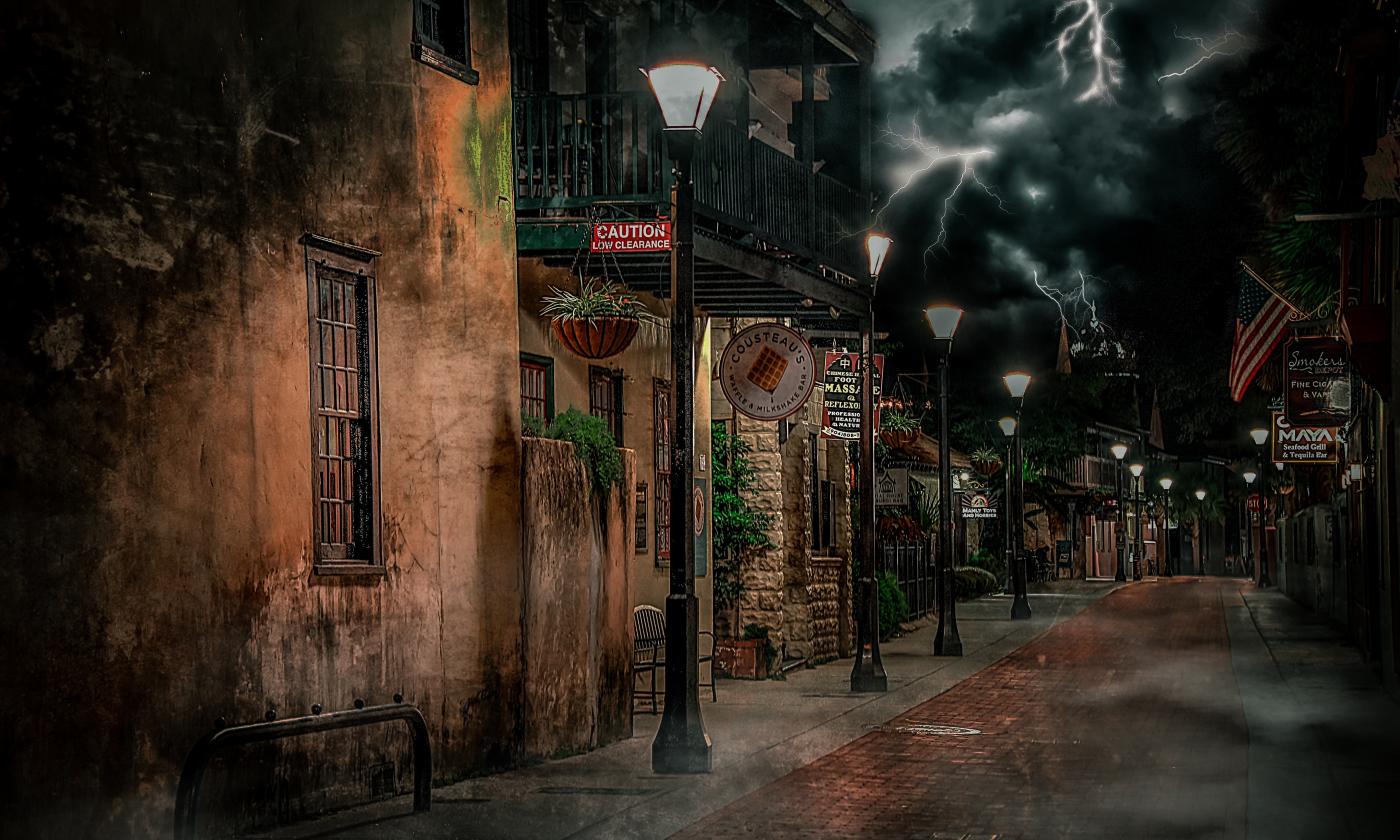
[(577, 612)]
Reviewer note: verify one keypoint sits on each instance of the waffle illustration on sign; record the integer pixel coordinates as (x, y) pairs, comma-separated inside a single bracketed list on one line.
[(768, 369)]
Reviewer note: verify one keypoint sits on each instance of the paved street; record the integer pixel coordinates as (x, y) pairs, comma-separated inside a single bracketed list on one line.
[(1186, 708)]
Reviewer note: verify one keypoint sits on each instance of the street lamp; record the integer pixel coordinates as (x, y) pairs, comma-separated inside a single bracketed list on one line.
[(868, 672), (1008, 430), (1205, 529), (944, 320), (1249, 476), (1167, 530), (1120, 451), (684, 89), (1138, 558), (1261, 437), (1016, 384)]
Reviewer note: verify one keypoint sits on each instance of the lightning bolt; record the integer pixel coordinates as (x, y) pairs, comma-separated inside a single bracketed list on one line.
[(1227, 44), (930, 156), (1088, 26), (1079, 303)]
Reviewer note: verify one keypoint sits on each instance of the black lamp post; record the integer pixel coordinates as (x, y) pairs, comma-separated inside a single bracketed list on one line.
[(1139, 549), (685, 89), (1205, 531), (1249, 476), (943, 320), (1120, 451), (1261, 437), (1008, 429), (1167, 526), (868, 672), (1016, 384)]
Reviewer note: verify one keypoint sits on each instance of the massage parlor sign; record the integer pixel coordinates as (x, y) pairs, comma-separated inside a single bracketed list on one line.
[(767, 372), (630, 237), (841, 395)]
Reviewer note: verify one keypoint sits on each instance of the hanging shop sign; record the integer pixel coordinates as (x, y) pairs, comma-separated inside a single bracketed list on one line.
[(1318, 391), (892, 488), (1303, 444), (978, 506), (630, 237), (841, 395), (767, 372)]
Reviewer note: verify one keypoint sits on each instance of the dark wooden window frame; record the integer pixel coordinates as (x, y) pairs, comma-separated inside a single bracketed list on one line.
[(640, 519), (611, 414), (323, 253), (431, 30), (547, 364)]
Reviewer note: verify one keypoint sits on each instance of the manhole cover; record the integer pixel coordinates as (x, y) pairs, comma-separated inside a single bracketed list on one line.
[(931, 729)]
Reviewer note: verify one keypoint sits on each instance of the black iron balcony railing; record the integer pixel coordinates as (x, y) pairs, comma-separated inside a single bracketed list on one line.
[(1087, 472), (573, 151)]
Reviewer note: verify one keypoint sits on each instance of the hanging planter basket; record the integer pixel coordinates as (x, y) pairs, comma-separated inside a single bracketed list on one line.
[(898, 438), (599, 338)]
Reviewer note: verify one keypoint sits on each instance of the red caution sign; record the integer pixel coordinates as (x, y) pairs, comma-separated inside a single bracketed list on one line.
[(630, 237)]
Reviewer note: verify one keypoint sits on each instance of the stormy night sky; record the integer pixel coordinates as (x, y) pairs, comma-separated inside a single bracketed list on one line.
[(1066, 167)]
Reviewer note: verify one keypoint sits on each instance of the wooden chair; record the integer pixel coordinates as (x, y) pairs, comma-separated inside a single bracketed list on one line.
[(649, 653)]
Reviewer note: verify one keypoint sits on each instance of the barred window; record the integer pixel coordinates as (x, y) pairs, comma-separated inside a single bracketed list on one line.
[(344, 393)]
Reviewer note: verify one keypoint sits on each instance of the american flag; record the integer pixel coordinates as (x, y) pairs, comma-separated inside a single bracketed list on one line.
[(1263, 318)]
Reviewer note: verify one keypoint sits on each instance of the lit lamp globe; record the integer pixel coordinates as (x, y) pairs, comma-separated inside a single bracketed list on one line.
[(943, 320), (1119, 450), (877, 246), (685, 90), (1260, 436), (1200, 495), (1166, 483), (1007, 425), (1136, 470), (1016, 383), (1249, 476)]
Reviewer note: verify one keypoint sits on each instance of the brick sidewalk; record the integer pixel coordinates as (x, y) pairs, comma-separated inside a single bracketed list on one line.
[(1124, 721)]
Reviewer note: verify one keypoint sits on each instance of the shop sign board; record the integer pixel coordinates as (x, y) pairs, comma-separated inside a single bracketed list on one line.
[(1318, 391), (841, 395), (978, 505), (630, 237), (767, 371), (1303, 444), (892, 488)]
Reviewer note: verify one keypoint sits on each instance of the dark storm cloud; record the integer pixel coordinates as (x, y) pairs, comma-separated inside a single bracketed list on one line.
[(1100, 187)]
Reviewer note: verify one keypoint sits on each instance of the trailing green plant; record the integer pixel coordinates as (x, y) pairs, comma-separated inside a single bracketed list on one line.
[(973, 582), (739, 527), (531, 426), (593, 301), (897, 421), (593, 444), (894, 608)]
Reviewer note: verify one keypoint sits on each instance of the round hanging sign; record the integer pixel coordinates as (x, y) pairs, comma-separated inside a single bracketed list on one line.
[(767, 371)]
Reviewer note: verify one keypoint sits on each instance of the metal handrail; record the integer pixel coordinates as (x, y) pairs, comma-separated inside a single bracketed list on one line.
[(192, 775)]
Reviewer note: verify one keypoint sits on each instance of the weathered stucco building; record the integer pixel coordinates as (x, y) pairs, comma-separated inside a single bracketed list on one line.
[(249, 467)]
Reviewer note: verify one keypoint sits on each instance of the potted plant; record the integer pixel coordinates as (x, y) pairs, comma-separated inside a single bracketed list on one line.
[(598, 322), (986, 461), (898, 429), (748, 658)]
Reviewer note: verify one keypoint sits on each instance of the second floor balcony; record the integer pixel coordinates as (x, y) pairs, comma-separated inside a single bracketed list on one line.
[(582, 157)]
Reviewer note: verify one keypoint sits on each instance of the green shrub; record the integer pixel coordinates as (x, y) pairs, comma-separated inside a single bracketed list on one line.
[(593, 444), (971, 582), (531, 426), (992, 561), (893, 606)]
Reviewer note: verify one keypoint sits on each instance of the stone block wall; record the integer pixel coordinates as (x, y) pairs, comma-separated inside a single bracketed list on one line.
[(765, 570)]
